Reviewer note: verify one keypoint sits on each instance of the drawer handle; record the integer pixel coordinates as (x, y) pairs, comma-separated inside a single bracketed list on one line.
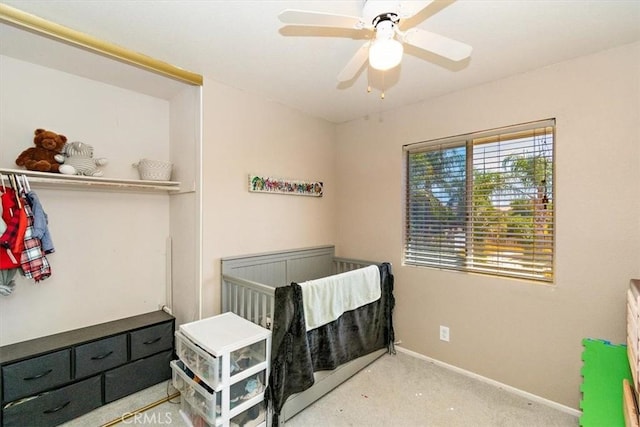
[(102, 356), (152, 341), (51, 411), (35, 377)]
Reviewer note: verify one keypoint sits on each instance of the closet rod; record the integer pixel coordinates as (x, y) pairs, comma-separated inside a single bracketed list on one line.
[(39, 25)]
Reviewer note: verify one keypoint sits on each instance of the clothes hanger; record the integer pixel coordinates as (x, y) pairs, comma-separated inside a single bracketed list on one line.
[(16, 189), (26, 184), (23, 184), (19, 183)]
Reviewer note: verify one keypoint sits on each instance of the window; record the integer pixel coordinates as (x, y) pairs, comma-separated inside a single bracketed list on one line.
[(483, 202)]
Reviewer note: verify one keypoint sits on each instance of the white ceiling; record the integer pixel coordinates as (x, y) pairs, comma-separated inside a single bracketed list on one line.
[(243, 44)]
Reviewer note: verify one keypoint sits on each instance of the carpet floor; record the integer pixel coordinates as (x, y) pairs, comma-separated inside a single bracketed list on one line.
[(399, 390)]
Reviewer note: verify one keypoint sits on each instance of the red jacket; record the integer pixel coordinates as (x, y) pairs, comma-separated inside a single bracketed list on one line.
[(11, 241)]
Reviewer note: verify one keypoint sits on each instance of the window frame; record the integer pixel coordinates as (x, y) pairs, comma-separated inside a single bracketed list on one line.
[(468, 260)]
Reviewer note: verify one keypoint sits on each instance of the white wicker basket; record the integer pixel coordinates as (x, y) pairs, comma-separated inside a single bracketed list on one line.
[(154, 170)]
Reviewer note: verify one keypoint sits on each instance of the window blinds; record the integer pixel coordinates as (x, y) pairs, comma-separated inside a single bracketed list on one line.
[(483, 202)]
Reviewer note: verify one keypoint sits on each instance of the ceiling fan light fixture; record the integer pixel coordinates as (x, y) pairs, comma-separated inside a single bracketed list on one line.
[(383, 18), (385, 54)]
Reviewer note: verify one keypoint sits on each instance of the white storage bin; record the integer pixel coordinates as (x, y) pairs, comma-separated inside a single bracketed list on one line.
[(204, 365), (252, 417), (245, 343), (246, 389), (154, 170), (192, 417), (247, 357), (255, 416), (201, 397)]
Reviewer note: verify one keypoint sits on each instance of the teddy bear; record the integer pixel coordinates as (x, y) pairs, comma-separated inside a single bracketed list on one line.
[(77, 159), (42, 157)]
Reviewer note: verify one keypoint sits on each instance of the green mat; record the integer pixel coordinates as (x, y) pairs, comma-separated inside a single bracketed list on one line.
[(605, 365)]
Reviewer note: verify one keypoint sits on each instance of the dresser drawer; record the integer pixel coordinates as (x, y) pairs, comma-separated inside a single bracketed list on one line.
[(153, 339), (138, 375), (55, 407), (35, 375), (100, 355)]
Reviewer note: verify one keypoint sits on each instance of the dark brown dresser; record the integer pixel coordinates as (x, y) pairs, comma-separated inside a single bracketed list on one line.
[(50, 380)]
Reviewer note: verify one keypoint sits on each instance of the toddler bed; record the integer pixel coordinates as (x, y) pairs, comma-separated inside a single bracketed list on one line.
[(264, 289)]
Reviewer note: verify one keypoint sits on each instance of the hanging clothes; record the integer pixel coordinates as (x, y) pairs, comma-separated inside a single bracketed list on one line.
[(3, 225), (33, 261), (10, 241), (7, 283), (26, 238), (40, 223), (11, 238)]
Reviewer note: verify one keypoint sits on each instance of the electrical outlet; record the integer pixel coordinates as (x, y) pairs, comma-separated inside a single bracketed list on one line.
[(444, 333)]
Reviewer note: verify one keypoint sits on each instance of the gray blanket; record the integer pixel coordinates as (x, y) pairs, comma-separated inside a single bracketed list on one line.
[(296, 354)]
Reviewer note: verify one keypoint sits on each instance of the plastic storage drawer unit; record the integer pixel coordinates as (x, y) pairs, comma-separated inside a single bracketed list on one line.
[(203, 364), (252, 417), (200, 396), (209, 367), (222, 371)]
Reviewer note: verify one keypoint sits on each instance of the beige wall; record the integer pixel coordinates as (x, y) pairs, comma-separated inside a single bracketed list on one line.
[(525, 335), (110, 253), (245, 134)]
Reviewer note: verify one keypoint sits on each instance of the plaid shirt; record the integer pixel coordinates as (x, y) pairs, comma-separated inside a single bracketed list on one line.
[(33, 261)]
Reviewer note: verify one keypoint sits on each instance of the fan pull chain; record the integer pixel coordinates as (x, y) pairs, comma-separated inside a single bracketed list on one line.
[(369, 86)]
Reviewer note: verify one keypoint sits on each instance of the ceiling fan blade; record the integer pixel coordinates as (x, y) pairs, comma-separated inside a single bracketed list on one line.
[(319, 19), (409, 9), (440, 45), (355, 63)]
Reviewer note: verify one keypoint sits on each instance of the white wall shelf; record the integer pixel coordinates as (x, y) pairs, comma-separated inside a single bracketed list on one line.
[(55, 180)]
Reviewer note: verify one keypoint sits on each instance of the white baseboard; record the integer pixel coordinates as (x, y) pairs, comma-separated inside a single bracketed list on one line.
[(527, 395)]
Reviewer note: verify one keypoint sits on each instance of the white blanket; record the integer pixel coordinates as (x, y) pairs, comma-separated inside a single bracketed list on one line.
[(326, 299)]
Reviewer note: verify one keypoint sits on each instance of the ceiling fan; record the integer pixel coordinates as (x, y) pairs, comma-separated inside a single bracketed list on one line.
[(384, 51)]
